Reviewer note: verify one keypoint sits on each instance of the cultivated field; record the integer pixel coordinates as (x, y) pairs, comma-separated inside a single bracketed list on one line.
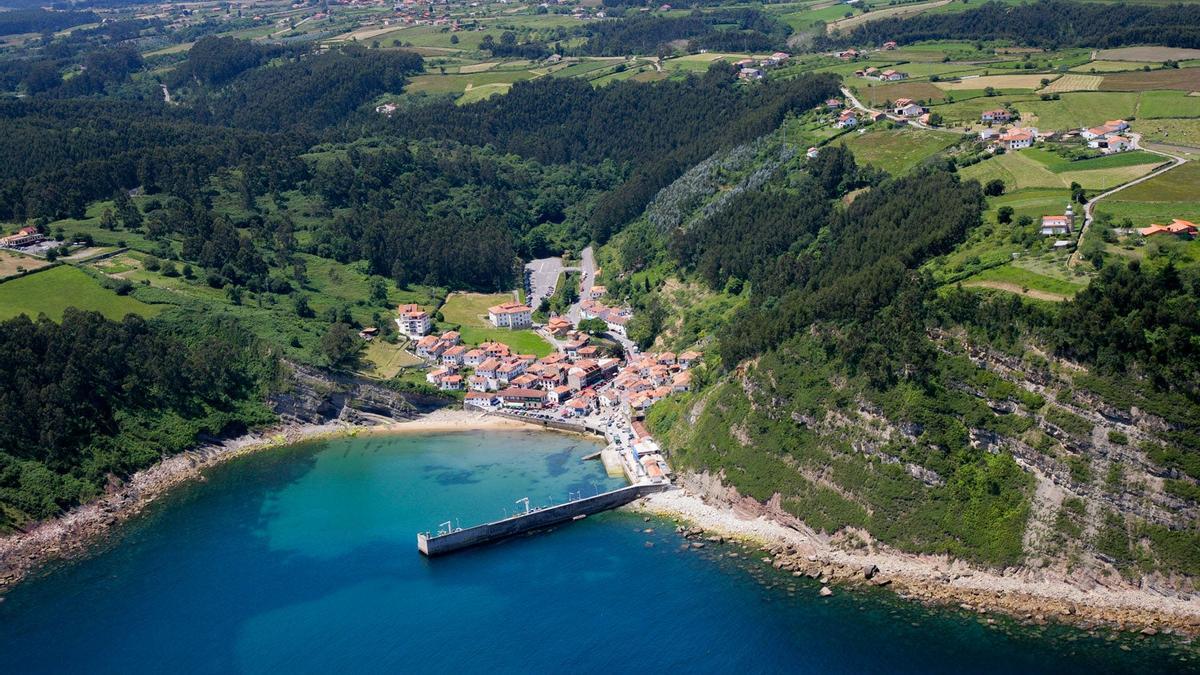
[(1152, 54), (1186, 79), (1158, 200), (896, 12), (14, 263), (1106, 67), (997, 82), (53, 291), (1074, 82)]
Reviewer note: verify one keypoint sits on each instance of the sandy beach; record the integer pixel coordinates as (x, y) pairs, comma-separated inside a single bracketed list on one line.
[(449, 420), (1032, 596)]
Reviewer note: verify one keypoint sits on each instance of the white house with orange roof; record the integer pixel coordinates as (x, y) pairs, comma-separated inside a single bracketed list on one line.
[(511, 315), (413, 320), (1058, 225), (1018, 139)]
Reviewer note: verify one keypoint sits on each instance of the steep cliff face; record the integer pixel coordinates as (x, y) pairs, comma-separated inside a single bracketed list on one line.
[(314, 396), (1005, 461)]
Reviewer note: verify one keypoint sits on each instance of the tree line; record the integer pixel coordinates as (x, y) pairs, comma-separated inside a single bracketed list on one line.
[(1051, 24), (88, 399)]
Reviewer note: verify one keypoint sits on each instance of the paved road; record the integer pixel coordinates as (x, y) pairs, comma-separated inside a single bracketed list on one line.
[(853, 101), (1089, 208), (544, 276), (587, 269)]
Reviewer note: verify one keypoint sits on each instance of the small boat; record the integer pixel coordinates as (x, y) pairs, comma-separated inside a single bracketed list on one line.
[(580, 516)]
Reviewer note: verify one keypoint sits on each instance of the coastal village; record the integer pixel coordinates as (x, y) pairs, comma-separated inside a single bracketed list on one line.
[(578, 386)]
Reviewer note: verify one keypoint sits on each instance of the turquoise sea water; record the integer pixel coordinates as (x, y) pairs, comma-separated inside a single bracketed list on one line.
[(304, 560)]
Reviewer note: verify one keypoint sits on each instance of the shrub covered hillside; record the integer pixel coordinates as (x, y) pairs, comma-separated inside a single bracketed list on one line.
[(88, 399), (845, 388)]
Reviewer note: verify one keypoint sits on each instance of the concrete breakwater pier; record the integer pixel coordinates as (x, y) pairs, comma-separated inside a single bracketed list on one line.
[(536, 519)]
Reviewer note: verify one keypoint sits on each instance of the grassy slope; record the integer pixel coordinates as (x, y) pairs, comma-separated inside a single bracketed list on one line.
[(468, 311), (52, 291), (897, 150)]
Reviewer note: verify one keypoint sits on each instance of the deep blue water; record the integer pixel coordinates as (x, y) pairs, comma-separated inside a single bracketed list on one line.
[(304, 560)]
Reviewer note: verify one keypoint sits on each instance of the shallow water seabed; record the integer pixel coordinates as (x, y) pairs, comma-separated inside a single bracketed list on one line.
[(304, 559)]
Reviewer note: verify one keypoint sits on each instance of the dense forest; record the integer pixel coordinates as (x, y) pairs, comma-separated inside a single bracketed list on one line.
[(1050, 24), (745, 30), (18, 21), (658, 130), (88, 399)]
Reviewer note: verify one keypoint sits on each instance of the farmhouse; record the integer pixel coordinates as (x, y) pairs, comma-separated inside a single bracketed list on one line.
[(893, 75), (750, 74), (1017, 139), (1110, 144), (511, 315), (907, 108), (1180, 228), (846, 120), (997, 115)]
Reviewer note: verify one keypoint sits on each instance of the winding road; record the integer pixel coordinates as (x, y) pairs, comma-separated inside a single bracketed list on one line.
[(1089, 208)]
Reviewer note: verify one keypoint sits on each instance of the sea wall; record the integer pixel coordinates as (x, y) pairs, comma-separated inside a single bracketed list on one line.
[(534, 520)]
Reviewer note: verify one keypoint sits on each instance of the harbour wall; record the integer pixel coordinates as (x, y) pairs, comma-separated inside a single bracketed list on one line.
[(432, 545)]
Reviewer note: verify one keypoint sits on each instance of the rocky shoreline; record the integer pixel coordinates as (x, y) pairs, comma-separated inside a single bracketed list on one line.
[(76, 532), (1032, 598)]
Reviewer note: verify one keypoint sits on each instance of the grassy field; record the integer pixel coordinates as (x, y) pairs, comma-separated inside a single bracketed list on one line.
[(1020, 280), (1058, 164), (897, 150), (1080, 109), (1020, 170), (1182, 132), (15, 263), (1158, 200), (468, 311), (51, 292), (877, 95), (384, 360), (997, 82), (1160, 104), (458, 84)]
